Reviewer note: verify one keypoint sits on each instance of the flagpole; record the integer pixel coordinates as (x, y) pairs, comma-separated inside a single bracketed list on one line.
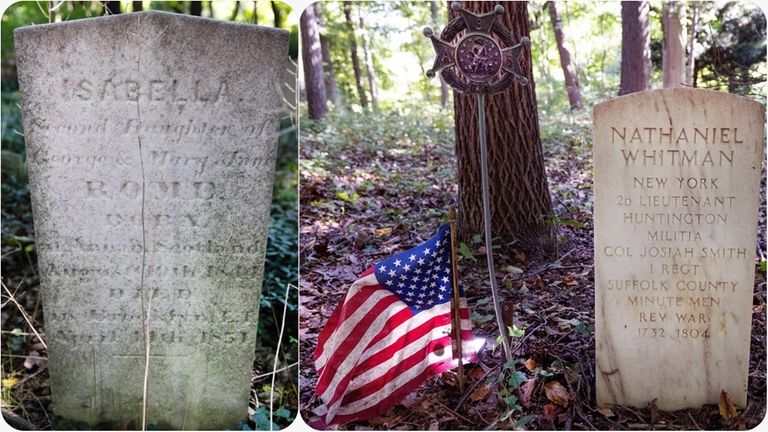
[(487, 225), (455, 301)]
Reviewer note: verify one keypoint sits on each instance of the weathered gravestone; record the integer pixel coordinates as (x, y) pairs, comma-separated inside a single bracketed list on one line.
[(677, 176), (151, 142)]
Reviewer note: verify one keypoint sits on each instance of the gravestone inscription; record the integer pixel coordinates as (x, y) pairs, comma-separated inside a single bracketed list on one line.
[(677, 177), (151, 141)]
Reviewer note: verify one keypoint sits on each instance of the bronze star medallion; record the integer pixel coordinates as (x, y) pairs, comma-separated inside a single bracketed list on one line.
[(476, 53)]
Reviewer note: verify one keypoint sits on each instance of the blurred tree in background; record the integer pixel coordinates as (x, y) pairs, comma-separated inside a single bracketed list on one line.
[(728, 49)]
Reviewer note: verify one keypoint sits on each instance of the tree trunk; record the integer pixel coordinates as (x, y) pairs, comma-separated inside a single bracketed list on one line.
[(138, 6), (571, 81), (353, 52), (255, 17), (196, 8), (520, 201), (635, 47), (673, 54), (331, 87), (278, 13), (235, 11), (312, 58), (691, 42), (368, 57), (434, 9), (111, 7)]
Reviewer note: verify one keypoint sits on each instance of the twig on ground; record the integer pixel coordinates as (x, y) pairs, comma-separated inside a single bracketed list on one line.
[(473, 386), (274, 372), (24, 314), (454, 412), (17, 421), (690, 416), (277, 357)]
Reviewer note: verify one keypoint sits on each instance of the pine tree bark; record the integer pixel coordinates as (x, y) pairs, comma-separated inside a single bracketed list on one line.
[(569, 72), (312, 59), (353, 53), (673, 53), (331, 87), (635, 47), (519, 194), (111, 7), (138, 6), (434, 9), (368, 58), (195, 8)]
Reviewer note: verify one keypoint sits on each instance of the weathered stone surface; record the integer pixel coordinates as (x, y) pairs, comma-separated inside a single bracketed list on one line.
[(677, 176), (151, 140)]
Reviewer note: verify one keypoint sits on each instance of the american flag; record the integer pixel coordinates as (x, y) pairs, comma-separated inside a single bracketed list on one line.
[(391, 332)]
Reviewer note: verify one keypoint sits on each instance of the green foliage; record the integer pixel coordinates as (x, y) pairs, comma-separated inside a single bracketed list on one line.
[(408, 129), (260, 418), (281, 264), (510, 380), (400, 52), (16, 207), (733, 38), (466, 252)]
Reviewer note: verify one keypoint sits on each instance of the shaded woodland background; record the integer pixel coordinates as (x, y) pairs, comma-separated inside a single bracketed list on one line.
[(25, 390), (385, 152)]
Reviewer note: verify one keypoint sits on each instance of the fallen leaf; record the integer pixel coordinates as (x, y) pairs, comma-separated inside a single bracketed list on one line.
[(409, 400), (531, 364), (525, 392), (480, 393), (513, 270), (556, 393), (477, 373), (10, 381), (34, 359), (606, 412), (726, 407), (550, 412), (519, 256), (654, 411)]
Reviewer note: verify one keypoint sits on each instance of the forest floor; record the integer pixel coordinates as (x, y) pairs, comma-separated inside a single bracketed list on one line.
[(369, 191)]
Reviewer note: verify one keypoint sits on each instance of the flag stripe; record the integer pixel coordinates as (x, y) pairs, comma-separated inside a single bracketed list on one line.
[(361, 313), (395, 390), (387, 360), (344, 311), (351, 348), (337, 385), (368, 393)]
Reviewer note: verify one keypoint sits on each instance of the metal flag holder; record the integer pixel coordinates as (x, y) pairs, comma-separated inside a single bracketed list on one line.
[(484, 60)]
